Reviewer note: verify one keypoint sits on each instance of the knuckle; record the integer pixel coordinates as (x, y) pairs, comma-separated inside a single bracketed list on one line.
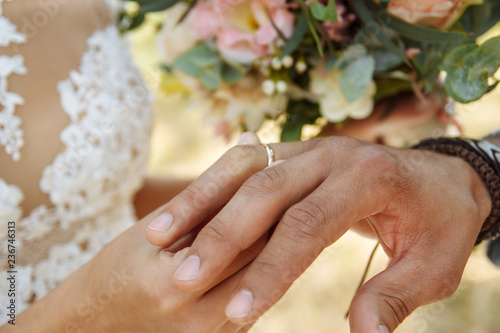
[(195, 196), (372, 157), (333, 142), (216, 231), (265, 182), (399, 304), (385, 167), (239, 159), (308, 218)]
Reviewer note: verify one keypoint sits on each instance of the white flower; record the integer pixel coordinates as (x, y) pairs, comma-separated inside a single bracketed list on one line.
[(332, 103), (281, 86), (276, 64), (268, 87), (287, 61), (301, 66)]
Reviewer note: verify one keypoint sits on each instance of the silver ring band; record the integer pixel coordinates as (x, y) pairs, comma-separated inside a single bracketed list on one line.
[(270, 155)]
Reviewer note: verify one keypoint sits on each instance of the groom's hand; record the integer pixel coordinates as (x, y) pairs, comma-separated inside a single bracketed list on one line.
[(425, 208)]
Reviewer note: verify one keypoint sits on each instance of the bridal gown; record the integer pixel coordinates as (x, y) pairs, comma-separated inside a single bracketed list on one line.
[(75, 120)]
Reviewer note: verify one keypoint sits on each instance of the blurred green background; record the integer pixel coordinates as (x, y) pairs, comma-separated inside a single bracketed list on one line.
[(183, 147)]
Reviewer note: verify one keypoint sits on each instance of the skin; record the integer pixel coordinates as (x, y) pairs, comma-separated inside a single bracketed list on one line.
[(119, 291), (425, 208)]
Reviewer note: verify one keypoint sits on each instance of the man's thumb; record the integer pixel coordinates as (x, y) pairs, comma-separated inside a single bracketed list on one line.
[(392, 295)]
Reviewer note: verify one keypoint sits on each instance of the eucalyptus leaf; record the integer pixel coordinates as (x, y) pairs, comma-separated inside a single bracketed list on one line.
[(350, 54), (488, 54), (463, 90), (355, 77), (366, 16), (211, 77), (454, 58), (201, 61), (385, 61), (156, 6), (298, 34), (468, 68), (231, 73)]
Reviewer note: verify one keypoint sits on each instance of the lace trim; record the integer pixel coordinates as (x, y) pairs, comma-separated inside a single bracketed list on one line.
[(10, 198), (11, 135), (91, 183), (8, 31)]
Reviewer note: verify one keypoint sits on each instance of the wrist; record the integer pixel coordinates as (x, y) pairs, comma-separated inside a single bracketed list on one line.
[(482, 157), (477, 187)]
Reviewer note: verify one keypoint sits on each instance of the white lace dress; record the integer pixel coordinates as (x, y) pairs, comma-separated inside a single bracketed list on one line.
[(74, 138)]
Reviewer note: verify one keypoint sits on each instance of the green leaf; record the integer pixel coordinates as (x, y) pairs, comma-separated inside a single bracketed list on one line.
[(385, 61), (318, 10), (488, 54), (493, 20), (475, 17), (461, 89), (291, 132), (211, 76), (353, 52), (298, 34), (454, 58), (355, 77), (324, 13), (232, 73), (201, 61), (468, 68), (128, 21), (299, 113), (366, 16), (148, 6)]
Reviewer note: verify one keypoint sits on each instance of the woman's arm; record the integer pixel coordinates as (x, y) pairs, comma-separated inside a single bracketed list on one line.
[(128, 287)]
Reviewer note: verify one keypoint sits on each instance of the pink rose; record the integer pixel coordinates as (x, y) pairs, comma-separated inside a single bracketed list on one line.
[(242, 29), (437, 13)]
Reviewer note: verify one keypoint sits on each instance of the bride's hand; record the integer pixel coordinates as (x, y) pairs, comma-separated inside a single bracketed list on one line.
[(128, 287), (425, 208)]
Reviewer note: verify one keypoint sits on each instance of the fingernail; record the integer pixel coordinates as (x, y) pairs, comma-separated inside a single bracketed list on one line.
[(383, 329), (189, 269), (243, 139), (162, 222), (240, 305)]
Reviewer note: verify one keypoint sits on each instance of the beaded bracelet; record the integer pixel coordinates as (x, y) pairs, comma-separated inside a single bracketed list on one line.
[(484, 157)]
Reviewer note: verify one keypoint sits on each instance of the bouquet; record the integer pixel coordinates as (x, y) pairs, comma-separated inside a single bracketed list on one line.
[(303, 61)]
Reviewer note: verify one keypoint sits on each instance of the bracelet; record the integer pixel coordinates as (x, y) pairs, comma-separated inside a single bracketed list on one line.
[(483, 157)]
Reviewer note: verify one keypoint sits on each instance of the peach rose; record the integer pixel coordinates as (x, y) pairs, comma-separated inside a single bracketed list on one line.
[(437, 13)]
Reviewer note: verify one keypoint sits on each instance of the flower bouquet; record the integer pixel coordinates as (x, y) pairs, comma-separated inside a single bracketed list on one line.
[(303, 61)]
